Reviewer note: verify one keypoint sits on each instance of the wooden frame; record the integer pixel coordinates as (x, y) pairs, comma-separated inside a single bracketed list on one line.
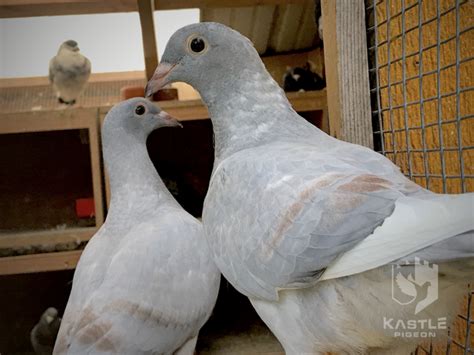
[(42, 121), (347, 75), (94, 78), (146, 8), (23, 264)]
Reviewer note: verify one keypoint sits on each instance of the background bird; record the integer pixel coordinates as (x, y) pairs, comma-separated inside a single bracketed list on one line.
[(44, 333), (304, 224), (69, 71), (302, 79), (146, 282)]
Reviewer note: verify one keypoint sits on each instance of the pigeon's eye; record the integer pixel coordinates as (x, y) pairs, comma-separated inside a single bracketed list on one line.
[(197, 44), (140, 110)]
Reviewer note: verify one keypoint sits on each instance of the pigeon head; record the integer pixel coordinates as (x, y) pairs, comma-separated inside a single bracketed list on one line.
[(69, 45), (138, 117), (200, 54), (49, 316)]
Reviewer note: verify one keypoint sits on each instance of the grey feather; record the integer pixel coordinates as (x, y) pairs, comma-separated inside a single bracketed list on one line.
[(146, 282), (44, 333), (285, 200)]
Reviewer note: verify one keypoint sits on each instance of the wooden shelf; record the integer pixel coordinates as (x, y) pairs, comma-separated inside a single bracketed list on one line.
[(66, 119), (42, 121), (195, 109), (190, 110), (46, 238), (39, 262)]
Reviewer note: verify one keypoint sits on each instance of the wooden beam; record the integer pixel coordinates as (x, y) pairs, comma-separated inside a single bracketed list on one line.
[(202, 4), (308, 100), (32, 8), (94, 78), (45, 238), (191, 110), (195, 110), (43, 2), (24, 264), (41, 121), (347, 76), (331, 69), (146, 9), (96, 171), (102, 113)]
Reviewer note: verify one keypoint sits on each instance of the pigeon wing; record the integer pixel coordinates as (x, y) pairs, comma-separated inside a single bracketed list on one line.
[(53, 68), (283, 224), (288, 214)]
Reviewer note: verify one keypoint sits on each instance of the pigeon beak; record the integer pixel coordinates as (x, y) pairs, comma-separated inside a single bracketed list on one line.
[(49, 319), (158, 80), (165, 119)]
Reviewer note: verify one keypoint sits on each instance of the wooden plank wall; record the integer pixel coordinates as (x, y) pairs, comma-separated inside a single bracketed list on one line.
[(446, 108), (399, 94)]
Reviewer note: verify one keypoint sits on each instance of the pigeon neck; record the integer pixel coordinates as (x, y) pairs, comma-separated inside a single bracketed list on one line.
[(135, 185), (251, 111)]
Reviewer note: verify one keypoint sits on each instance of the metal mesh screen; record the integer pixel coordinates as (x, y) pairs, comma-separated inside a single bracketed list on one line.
[(421, 68)]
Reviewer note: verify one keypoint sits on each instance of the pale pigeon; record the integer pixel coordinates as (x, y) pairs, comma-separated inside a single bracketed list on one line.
[(146, 282), (69, 71), (304, 224), (44, 333)]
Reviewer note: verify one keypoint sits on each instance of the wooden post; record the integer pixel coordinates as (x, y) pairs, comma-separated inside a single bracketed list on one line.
[(347, 71), (146, 9), (96, 168)]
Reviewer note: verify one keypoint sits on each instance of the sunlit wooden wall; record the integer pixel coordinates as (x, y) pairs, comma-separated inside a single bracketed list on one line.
[(424, 113), (400, 118)]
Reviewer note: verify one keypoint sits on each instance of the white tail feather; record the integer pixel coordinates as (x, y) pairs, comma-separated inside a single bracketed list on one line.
[(415, 223)]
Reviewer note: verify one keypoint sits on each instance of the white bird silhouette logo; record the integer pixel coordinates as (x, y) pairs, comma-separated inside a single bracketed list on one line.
[(410, 287)]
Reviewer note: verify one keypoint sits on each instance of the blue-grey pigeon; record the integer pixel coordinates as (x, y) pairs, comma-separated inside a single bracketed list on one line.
[(146, 282), (307, 225)]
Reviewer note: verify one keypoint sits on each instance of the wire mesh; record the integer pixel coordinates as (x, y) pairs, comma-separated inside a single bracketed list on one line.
[(421, 65)]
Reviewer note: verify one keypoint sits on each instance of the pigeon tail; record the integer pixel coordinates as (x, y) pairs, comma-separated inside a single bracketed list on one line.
[(416, 224), (62, 101)]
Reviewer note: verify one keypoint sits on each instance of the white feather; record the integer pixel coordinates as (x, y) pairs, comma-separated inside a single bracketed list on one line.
[(415, 224)]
